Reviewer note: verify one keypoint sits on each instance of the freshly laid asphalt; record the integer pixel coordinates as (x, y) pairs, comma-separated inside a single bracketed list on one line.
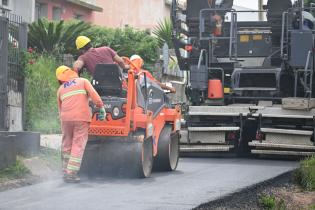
[(196, 181)]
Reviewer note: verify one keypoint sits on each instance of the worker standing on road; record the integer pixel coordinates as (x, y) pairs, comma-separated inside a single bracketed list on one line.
[(73, 104), (137, 64), (90, 56)]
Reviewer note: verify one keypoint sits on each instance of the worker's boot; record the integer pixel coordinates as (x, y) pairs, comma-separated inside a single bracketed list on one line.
[(71, 178)]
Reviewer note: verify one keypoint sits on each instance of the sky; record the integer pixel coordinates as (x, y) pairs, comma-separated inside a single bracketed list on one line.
[(252, 4)]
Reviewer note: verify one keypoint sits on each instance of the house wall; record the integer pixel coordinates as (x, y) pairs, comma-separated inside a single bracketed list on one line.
[(68, 10), (141, 14)]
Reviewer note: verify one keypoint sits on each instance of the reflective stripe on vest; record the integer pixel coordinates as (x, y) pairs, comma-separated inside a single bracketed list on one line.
[(72, 93)]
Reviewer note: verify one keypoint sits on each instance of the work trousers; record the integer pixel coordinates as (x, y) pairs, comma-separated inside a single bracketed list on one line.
[(74, 139)]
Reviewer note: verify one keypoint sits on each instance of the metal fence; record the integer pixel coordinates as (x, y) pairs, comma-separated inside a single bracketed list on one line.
[(13, 41)]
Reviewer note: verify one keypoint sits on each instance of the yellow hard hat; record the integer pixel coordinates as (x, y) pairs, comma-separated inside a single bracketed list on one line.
[(81, 41), (64, 73)]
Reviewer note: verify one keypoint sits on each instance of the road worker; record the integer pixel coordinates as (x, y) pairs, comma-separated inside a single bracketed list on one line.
[(90, 56), (75, 116), (137, 64)]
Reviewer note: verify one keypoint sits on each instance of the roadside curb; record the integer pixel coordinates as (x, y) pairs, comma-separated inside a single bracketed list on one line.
[(51, 141)]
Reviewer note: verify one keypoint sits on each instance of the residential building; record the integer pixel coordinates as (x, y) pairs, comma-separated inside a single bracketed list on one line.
[(32, 10), (141, 14)]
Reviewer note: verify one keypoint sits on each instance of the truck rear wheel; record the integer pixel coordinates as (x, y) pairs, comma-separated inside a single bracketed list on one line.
[(168, 150)]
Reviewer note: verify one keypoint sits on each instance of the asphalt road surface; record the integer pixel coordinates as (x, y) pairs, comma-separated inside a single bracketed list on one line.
[(197, 181)]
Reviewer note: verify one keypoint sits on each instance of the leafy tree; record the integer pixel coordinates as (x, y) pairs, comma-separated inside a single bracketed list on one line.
[(55, 37), (163, 32)]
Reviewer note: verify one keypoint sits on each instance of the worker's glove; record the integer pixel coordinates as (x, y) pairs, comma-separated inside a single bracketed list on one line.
[(102, 114)]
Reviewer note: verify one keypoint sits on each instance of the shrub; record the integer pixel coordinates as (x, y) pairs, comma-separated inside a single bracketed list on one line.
[(268, 202), (41, 102), (126, 42), (59, 37), (305, 174)]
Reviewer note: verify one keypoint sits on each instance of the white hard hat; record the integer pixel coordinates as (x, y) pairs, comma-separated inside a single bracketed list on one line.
[(134, 57)]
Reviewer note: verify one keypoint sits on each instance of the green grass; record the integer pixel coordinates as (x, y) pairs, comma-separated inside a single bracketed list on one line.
[(268, 202), (16, 171), (305, 174), (41, 102)]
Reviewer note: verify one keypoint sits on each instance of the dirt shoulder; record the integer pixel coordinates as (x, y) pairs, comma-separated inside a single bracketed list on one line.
[(31, 170), (278, 193), (7, 184)]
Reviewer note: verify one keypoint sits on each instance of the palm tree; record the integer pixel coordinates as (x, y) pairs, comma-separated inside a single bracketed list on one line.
[(163, 32), (50, 37)]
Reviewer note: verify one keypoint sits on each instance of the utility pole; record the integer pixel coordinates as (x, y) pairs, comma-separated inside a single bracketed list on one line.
[(260, 8)]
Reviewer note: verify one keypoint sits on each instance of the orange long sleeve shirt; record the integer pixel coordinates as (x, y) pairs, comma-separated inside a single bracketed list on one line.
[(73, 100)]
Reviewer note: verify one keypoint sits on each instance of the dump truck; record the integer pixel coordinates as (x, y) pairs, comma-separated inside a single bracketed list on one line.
[(249, 83), (141, 130)]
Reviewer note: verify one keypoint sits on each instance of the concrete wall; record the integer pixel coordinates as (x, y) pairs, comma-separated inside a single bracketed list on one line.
[(7, 150), (15, 114), (142, 14), (17, 143), (25, 143)]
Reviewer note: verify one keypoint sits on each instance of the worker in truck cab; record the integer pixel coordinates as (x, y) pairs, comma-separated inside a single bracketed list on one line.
[(136, 64), (90, 56), (75, 116)]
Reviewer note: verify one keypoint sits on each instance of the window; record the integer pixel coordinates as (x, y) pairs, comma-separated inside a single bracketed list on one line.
[(56, 13), (5, 2), (78, 17), (41, 11)]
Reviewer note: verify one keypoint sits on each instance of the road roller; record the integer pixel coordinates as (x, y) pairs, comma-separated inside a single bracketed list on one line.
[(141, 132)]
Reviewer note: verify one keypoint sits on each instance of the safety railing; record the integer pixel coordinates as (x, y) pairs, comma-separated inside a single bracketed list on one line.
[(307, 79), (233, 29)]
